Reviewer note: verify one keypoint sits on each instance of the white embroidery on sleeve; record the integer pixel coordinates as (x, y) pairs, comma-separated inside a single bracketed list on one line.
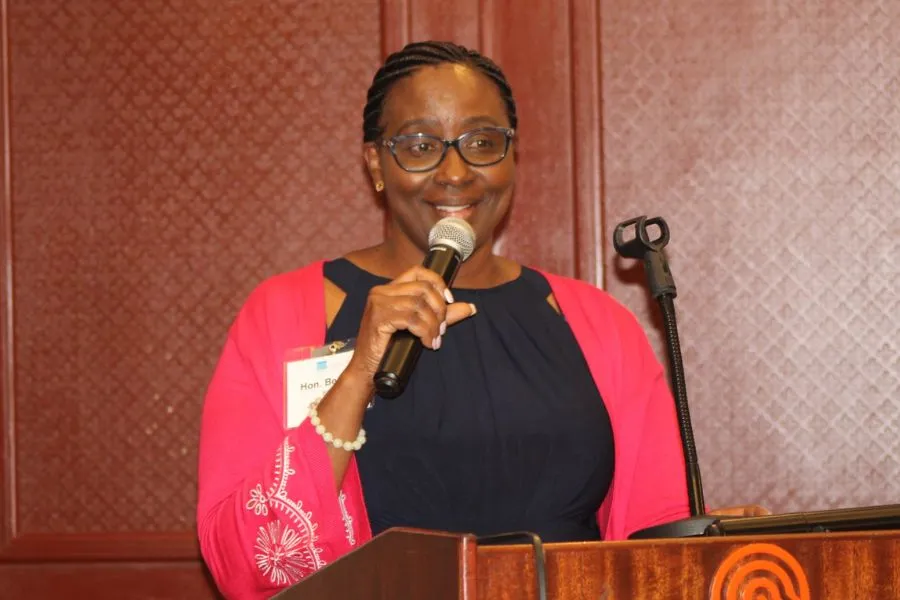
[(257, 502), (280, 553), (286, 549), (348, 520)]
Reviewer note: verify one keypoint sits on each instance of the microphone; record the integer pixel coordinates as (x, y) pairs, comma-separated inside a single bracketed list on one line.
[(450, 242), (662, 287)]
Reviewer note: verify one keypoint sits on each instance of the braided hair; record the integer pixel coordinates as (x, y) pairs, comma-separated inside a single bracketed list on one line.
[(420, 54)]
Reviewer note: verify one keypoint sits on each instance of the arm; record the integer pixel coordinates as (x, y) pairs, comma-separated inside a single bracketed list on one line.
[(275, 506), (658, 490), (268, 509), (648, 484)]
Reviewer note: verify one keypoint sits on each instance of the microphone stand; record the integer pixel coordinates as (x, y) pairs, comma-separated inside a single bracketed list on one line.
[(662, 288)]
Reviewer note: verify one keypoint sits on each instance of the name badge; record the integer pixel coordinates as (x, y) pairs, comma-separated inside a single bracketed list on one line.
[(308, 375)]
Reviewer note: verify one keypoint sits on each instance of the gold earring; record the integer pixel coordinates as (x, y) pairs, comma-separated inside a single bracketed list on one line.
[(379, 186)]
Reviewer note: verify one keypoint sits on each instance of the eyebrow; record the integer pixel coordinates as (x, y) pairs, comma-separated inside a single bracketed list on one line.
[(435, 123), (417, 123), (481, 119)]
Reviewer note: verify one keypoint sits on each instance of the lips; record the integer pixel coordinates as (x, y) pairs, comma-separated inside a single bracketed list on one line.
[(454, 208), (461, 211)]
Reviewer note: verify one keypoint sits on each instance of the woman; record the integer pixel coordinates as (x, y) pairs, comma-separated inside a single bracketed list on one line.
[(537, 404)]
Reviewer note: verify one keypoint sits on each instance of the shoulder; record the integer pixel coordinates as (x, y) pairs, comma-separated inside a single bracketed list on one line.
[(588, 301), (286, 288), (289, 301)]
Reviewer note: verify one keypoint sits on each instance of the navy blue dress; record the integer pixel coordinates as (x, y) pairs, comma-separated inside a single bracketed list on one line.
[(500, 430)]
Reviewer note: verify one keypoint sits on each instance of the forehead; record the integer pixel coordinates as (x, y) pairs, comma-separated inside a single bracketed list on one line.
[(447, 94)]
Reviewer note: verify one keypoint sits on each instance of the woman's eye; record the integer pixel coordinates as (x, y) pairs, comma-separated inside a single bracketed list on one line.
[(419, 147), (480, 143)]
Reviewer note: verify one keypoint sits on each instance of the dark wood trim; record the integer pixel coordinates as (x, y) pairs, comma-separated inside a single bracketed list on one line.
[(108, 581), (587, 135), (468, 556), (396, 25), (486, 27), (7, 387), (115, 547)]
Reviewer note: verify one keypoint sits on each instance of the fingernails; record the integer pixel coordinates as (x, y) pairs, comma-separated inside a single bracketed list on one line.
[(443, 327), (448, 295), (436, 344), (474, 309)]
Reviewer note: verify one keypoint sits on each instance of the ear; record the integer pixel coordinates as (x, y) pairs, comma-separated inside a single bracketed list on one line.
[(373, 162)]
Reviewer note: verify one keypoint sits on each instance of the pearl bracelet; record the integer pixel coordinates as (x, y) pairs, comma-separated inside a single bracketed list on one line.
[(328, 437)]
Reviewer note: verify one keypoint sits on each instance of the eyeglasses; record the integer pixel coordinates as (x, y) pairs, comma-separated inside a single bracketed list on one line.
[(419, 152)]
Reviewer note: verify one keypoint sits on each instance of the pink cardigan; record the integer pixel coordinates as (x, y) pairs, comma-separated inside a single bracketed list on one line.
[(268, 513)]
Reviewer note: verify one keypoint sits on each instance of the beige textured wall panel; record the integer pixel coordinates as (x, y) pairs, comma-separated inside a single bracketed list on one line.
[(767, 136)]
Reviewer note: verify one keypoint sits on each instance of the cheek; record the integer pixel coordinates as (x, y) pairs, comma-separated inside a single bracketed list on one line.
[(503, 178), (403, 182)]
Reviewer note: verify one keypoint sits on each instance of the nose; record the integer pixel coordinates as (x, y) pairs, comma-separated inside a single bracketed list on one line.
[(453, 170)]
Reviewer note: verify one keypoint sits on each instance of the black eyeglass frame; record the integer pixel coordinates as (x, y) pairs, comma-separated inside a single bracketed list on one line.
[(391, 143)]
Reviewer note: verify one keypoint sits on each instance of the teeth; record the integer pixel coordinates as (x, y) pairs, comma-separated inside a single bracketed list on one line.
[(452, 209)]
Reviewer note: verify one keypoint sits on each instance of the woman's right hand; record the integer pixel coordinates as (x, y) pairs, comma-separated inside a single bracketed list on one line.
[(417, 301)]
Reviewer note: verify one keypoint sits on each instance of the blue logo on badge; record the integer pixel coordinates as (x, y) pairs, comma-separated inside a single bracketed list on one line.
[(321, 365)]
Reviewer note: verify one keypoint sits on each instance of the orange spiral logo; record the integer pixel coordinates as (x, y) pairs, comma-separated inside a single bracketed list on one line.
[(759, 572)]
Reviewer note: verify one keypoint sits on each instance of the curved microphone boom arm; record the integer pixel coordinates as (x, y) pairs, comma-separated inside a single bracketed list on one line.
[(662, 287)]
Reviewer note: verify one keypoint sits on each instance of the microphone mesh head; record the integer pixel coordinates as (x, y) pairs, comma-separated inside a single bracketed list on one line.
[(453, 232)]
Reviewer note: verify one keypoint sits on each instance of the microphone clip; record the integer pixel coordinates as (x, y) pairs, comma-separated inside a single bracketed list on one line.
[(642, 247)]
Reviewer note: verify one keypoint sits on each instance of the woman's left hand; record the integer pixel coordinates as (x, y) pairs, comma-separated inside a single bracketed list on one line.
[(744, 510)]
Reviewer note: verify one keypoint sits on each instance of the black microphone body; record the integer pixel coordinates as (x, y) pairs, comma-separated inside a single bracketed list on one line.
[(404, 348)]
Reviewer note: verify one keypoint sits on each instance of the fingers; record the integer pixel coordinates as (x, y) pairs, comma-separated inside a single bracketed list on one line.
[(420, 273), (425, 293), (460, 311), (747, 510), (418, 302), (456, 312), (411, 314), (418, 316), (755, 510)]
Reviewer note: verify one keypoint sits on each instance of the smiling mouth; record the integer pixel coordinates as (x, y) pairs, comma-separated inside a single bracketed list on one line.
[(452, 209), (463, 211)]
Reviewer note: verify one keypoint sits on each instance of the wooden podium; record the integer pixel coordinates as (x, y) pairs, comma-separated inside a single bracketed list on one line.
[(406, 563)]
